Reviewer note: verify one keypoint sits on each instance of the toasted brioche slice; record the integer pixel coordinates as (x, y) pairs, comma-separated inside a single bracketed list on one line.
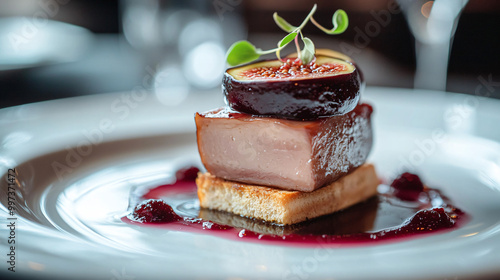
[(282, 206)]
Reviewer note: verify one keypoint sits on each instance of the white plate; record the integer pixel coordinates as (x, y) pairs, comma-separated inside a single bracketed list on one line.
[(68, 221)]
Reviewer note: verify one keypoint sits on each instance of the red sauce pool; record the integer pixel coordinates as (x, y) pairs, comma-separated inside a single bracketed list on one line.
[(390, 216), (294, 69)]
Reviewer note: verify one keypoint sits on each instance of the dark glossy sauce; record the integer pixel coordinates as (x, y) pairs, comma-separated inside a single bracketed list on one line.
[(390, 216)]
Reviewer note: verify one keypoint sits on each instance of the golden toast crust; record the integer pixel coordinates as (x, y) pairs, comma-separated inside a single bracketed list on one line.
[(282, 206)]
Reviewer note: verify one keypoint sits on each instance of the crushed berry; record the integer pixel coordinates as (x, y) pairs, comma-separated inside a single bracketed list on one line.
[(428, 220), (408, 186), (155, 211), (294, 68), (408, 182), (187, 174)]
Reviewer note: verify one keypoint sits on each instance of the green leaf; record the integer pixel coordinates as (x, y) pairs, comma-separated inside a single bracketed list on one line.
[(241, 52), (287, 39), (307, 54), (244, 52), (283, 24), (340, 22)]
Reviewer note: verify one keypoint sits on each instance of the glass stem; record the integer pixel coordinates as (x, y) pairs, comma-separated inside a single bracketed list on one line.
[(432, 65)]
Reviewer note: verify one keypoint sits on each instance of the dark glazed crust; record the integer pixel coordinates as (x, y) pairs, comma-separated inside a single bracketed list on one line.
[(355, 139)]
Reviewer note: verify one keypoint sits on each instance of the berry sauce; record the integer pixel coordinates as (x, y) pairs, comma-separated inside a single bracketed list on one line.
[(155, 211), (293, 68), (405, 209)]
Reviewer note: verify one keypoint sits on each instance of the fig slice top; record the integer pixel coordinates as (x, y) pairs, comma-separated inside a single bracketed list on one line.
[(286, 154), (326, 87), (292, 69)]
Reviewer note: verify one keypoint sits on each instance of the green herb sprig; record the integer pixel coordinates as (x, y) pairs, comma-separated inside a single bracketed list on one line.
[(244, 52)]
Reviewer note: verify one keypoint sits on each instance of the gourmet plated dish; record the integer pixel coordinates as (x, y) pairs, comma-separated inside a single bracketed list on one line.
[(290, 143), (286, 158)]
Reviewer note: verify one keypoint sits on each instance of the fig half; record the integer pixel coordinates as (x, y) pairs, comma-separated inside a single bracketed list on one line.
[(327, 86)]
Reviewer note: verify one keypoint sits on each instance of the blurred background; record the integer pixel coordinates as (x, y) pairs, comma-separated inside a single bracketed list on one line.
[(53, 49)]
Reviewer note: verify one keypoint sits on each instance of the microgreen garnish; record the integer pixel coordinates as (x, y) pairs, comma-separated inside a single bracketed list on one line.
[(244, 52)]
